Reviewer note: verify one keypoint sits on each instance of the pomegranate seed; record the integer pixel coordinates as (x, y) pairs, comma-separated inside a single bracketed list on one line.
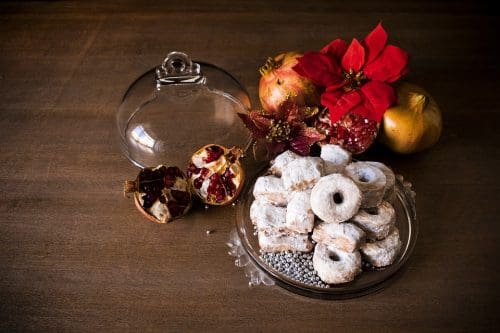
[(213, 153), (353, 132), (220, 176), (227, 180), (216, 189), (151, 183), (149, 199), (155, 187), (174, 171), (192, 170), (198, 182), (183, 198), (175, 209), (204, 172), (169, 181), (162, 199)]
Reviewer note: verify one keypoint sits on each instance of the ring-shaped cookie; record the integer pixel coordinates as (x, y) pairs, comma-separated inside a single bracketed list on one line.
[(384, 252), (376, 222), (336, 158), (390, 180), (335, 198), (335, 266), (370, 180)]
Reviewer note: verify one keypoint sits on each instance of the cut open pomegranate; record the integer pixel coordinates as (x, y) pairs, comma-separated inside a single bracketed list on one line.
[(353, 132), (161, 194), (215, 174)]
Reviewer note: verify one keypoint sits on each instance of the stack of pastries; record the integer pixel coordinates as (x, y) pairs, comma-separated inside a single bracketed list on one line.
[(341, 210)]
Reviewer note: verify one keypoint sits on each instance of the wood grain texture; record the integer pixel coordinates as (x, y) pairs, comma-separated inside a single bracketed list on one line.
[(76, 256)]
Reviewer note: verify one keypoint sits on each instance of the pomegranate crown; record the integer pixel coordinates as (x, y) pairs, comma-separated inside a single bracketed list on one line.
[(270, 65)]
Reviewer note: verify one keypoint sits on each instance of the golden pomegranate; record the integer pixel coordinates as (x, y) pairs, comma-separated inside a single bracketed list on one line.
[(412, 125)]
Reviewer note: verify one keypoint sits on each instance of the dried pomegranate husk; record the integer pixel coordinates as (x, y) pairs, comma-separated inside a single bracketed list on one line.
[(216, 175), (161, 194), (352, 132)]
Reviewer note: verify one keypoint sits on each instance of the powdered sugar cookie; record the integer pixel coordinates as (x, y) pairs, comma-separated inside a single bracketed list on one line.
[(376, 222), (267, 216), (280, 162), (270, 188), (343, 236), (384, 252), (390, 180), (335, 198), (302, 173), (299, 215), (335, 266), (271, 241), (370, 180), (336, 158)]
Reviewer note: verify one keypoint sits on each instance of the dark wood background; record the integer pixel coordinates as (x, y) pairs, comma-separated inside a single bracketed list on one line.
[(76, 256)]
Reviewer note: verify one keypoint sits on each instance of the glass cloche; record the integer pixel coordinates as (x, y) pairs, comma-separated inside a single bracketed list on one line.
[(171, 111)]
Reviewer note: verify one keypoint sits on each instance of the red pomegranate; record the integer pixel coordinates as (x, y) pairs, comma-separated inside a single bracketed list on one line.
[(215, 174), (280, 82), (353, 132)]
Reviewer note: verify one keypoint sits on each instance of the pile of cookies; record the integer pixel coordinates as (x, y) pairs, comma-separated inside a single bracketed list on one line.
[(337, 208)]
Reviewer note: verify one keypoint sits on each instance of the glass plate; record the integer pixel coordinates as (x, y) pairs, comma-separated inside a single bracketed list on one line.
[(245, 246)]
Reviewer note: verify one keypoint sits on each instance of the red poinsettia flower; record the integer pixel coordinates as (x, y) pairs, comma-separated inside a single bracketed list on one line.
[(284, 129), (356, 77)]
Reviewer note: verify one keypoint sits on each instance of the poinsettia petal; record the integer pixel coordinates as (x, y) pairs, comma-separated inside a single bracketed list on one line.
[(377, 97), (335, 49), (362, 111), (346, 102), (319, 68), (330, 97), (389, 66), (354, 57), (398, 75), (375, 42)]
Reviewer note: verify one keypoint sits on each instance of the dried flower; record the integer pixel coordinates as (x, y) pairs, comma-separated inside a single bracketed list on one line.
[(284, 129)]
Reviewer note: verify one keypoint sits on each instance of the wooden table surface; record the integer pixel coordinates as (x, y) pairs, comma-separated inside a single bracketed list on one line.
[(76, 256)]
